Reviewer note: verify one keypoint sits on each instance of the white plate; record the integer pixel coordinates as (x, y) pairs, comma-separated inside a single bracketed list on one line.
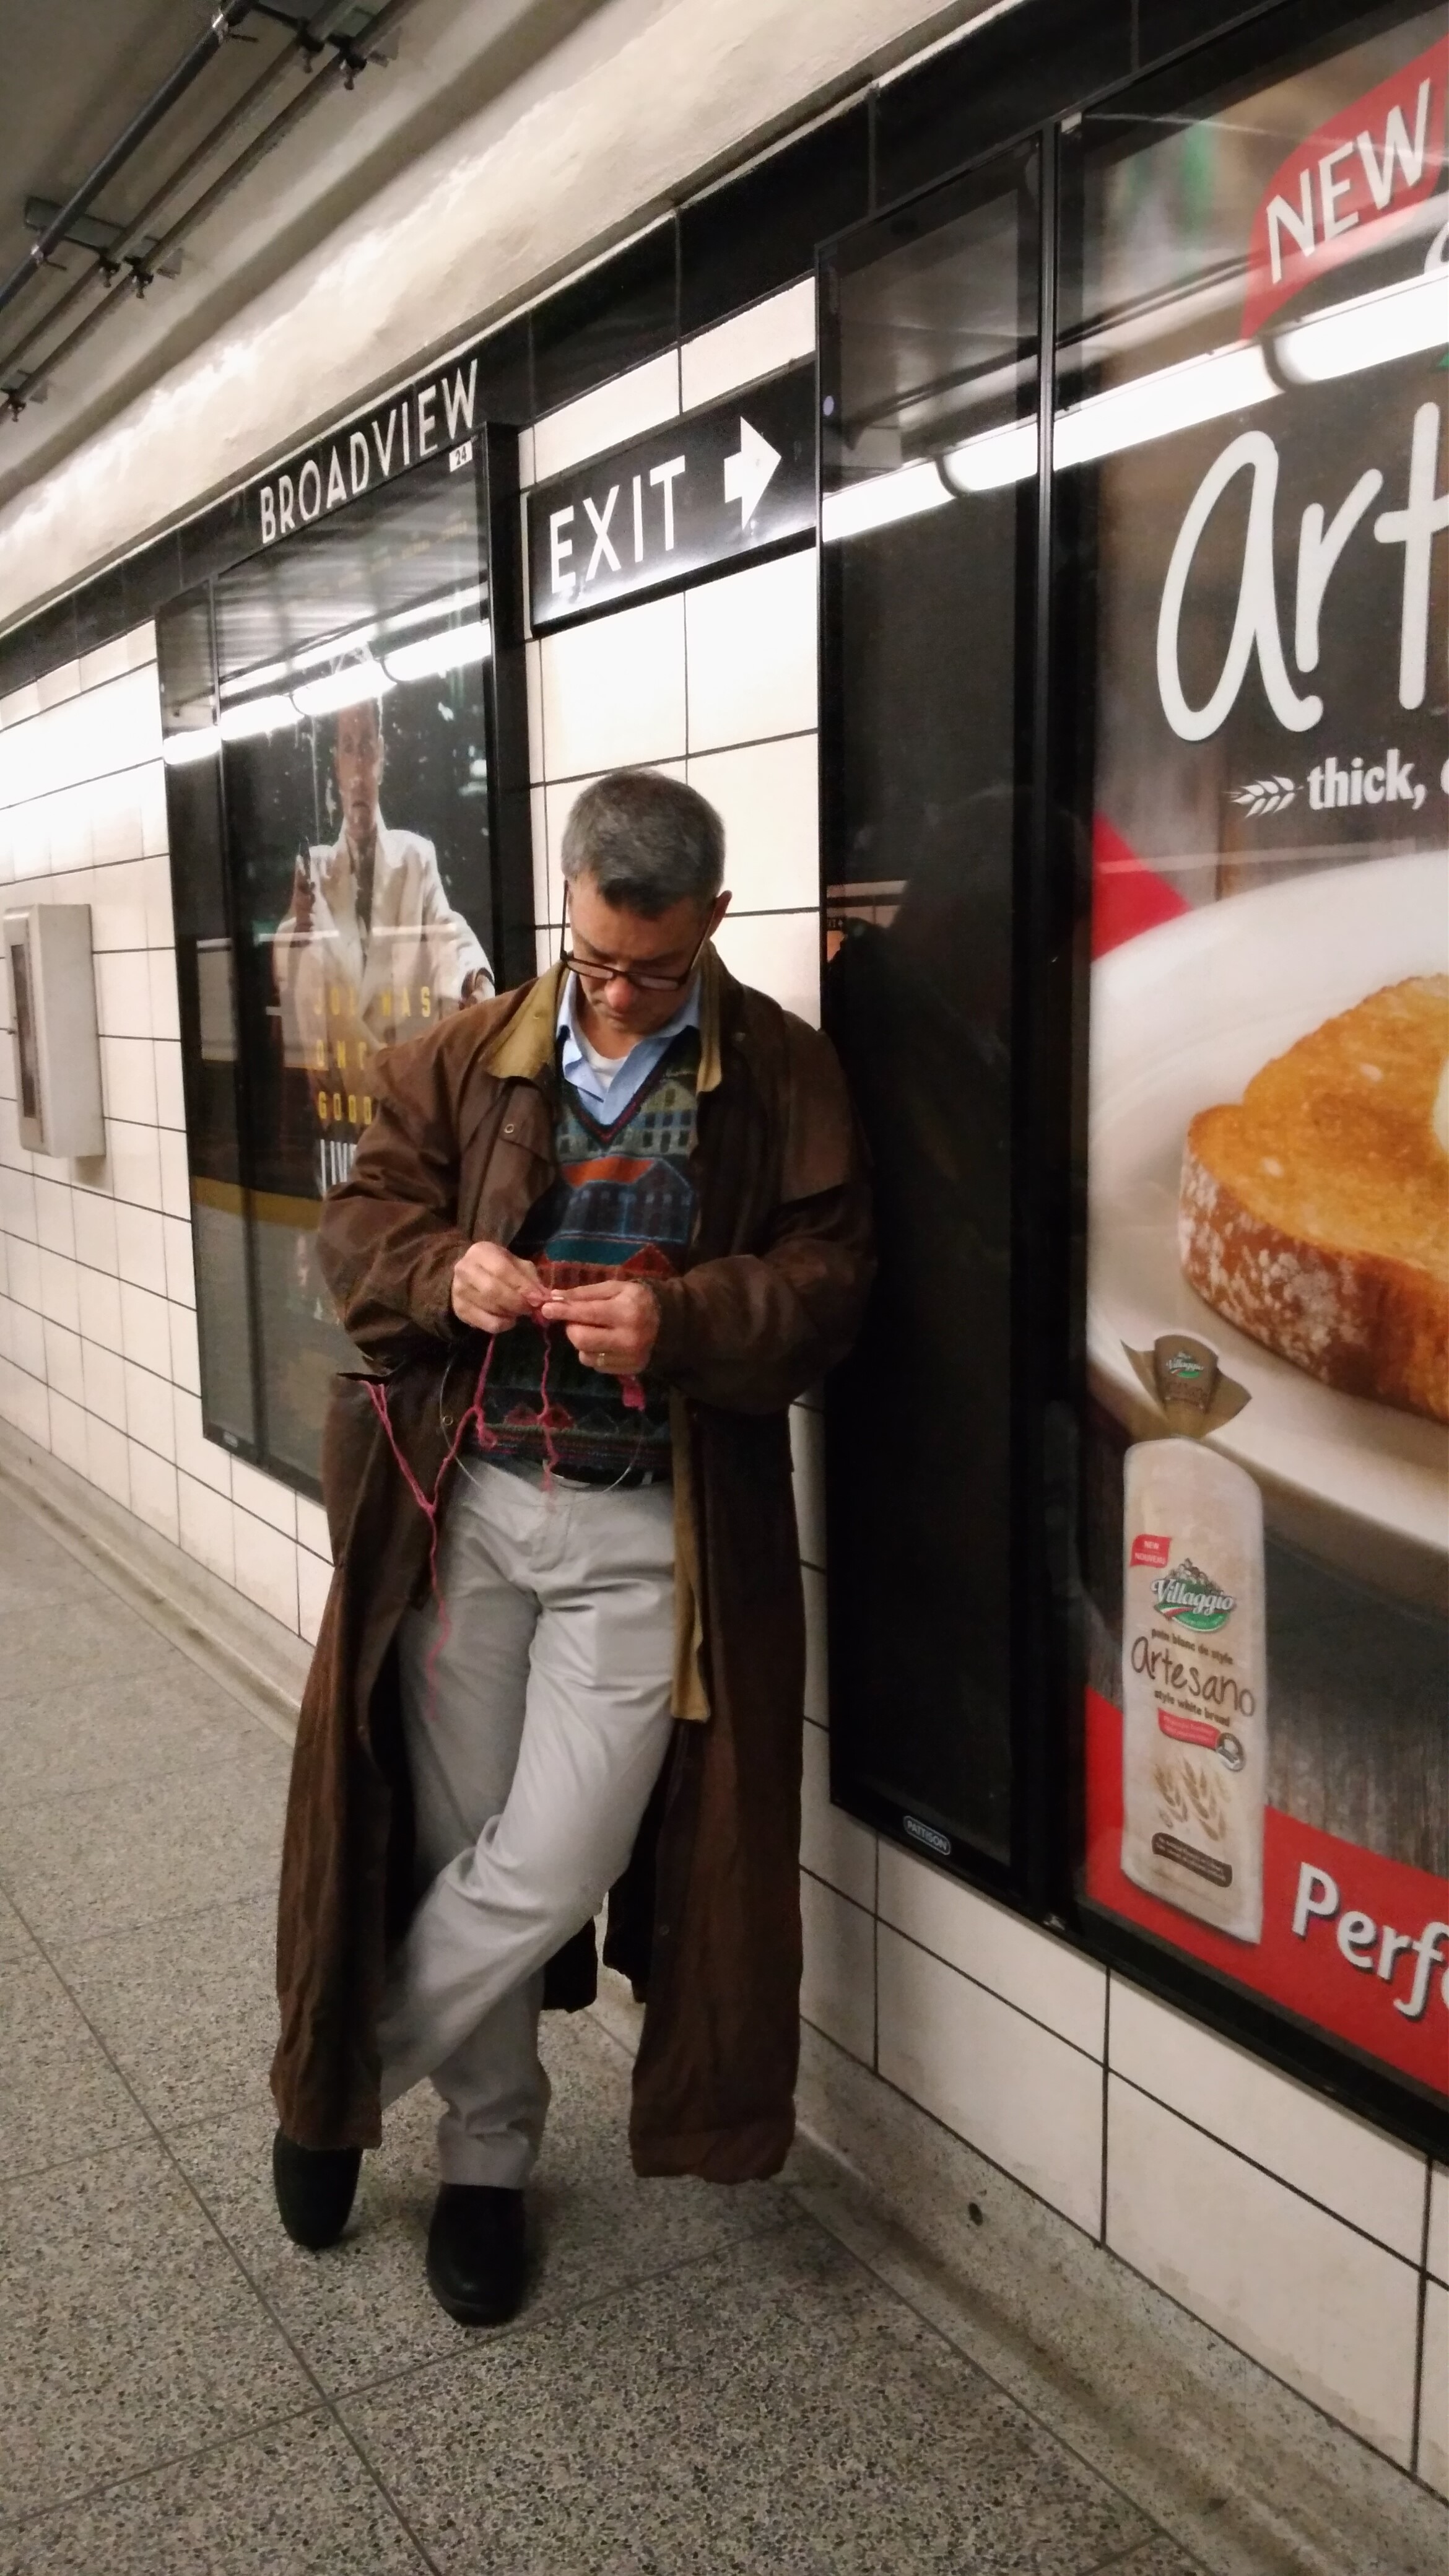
[(1183, 1017)]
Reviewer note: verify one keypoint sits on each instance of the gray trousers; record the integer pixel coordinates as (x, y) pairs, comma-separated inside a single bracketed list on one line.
[(535, 1733)]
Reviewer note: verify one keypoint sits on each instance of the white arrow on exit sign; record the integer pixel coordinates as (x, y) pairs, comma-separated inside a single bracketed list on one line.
[(747, 472)]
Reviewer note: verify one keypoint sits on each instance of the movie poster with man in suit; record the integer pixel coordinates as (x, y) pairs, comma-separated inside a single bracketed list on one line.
[(359, 836)]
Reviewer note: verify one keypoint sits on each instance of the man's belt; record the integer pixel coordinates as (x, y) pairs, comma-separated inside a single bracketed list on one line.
[(626, 1480)]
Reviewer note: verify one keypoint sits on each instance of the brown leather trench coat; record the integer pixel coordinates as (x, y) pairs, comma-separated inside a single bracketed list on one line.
[(706, 1920)]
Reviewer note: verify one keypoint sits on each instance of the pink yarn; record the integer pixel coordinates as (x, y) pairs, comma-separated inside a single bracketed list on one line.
[(549, 1418), (430, 1504)]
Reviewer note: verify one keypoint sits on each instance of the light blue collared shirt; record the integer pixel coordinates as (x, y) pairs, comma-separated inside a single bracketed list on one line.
[(606, 1093)]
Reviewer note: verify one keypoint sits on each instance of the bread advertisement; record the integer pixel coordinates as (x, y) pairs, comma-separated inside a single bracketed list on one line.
[(1265, 767)]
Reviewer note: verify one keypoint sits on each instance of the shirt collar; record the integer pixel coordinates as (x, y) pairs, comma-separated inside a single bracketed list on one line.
[(382, 849), (686, 1017), (526, 1037)]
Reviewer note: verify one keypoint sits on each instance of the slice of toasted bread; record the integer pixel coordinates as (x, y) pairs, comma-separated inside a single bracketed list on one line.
[(1314, 1213)]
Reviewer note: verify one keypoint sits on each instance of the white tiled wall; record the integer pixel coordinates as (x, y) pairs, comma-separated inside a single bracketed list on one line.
[(623, 408), (1434, 2391), (753, 343), (1434, 2368), (1295, 2229), (1438, 2245), (1352, 2169), (716, 684), (679, 690), (98, 1352), (1321, 2303)]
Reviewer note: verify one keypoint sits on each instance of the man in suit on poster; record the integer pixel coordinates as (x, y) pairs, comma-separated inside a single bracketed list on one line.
[(371, 948)]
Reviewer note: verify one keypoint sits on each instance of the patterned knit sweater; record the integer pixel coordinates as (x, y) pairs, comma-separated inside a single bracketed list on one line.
[(622, 1206)]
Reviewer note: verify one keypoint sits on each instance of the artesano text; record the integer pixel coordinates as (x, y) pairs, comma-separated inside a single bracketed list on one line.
[(1321, 542)]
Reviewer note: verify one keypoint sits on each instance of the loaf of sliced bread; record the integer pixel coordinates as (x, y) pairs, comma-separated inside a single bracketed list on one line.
[(1314, 1213)]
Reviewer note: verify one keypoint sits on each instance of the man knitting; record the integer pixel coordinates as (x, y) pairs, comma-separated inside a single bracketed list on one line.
[(600, 1233)]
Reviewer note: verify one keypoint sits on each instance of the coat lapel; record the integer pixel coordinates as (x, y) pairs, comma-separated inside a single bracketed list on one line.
[(520, 1049)]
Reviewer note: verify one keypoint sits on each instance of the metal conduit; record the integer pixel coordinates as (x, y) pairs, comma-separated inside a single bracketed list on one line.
[(307, 41), (224, 18), (231, 177)]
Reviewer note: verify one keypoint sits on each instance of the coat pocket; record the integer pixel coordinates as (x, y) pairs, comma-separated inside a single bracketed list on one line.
[(350, 1435)]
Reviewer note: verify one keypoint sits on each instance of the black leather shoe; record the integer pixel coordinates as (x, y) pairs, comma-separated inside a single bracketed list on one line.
[(314, 2188), (476, 2253)]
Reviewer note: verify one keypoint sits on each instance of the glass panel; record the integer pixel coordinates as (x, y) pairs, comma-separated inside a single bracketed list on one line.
[(348, 710), (757, 233), (209, 1049), (1252, 475), (930, 393), (1008, 71)]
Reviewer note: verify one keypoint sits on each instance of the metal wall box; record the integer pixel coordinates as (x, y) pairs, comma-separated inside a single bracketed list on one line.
[(53, 1016)]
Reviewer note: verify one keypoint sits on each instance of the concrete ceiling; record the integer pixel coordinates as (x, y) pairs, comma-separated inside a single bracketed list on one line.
[(75, 73)]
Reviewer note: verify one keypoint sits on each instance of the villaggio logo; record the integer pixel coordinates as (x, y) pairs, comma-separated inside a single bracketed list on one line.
[(1190, 1599), (1183, 1371), (1333, 782)]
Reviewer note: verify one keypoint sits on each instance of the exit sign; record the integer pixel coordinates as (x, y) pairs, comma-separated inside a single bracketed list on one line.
[(698, 495)]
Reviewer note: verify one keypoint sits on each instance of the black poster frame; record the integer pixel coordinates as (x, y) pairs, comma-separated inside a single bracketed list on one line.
[(1053, 896), (191, 788), (1294, 36), (1048, 923)]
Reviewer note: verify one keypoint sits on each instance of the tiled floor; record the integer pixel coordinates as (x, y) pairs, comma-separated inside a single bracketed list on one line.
[(701, 2380)]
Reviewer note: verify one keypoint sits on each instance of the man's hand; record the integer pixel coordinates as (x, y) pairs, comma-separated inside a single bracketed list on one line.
[(492, 1288), (613, 1329)]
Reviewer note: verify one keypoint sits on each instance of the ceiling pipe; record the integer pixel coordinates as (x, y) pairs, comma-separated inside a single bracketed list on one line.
[(223, 19), (341, 68), (307, 42)]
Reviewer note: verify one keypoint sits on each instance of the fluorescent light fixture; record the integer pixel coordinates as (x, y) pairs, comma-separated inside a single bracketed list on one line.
[(255, 715), (180, 750), (339, 644), (431, 608), (1147, 407), (349, 688), (1161, 404), (994, 457), (903, 494), (260, 679), (451, 651), (1129, 415), (1396, 321)]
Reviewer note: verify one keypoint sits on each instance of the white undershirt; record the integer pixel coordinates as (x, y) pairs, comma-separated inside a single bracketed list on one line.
[(605, 1066)]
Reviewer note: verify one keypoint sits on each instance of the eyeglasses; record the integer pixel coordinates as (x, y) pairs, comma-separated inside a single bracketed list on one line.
[(593, 974)]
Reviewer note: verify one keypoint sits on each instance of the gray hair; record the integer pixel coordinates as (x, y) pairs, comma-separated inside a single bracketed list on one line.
[(646, 842)]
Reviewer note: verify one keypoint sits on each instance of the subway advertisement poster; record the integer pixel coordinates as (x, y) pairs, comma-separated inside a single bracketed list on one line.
[(1267, 1451), (341, 705)]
